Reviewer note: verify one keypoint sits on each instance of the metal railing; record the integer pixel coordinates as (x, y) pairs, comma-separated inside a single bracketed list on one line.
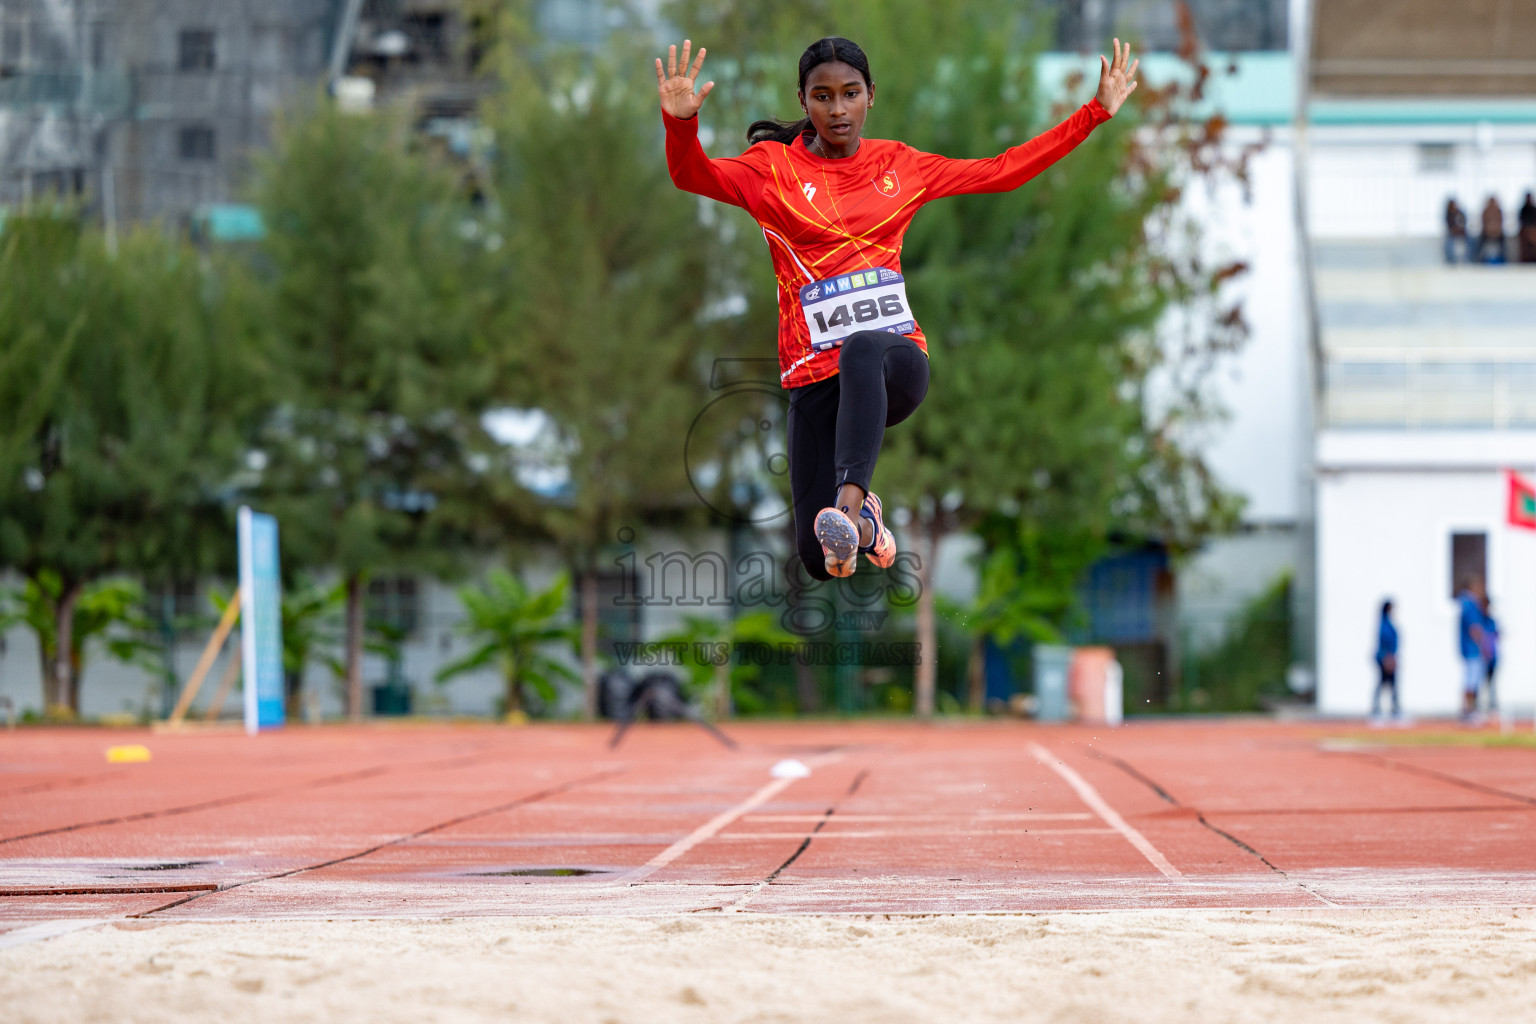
[(98, 93), (1412, 393)]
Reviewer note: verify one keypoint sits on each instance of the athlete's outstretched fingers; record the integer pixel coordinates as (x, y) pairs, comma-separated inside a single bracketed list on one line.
[(705, 91), (1117, 65), (698, 63), (672, 61), (687, 49), (661, 78), (1131, 72)]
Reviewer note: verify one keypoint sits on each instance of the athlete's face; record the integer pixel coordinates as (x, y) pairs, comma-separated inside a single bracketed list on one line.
[(836, 100)]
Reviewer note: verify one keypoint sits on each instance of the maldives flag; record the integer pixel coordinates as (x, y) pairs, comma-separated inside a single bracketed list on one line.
[(1522, 501)]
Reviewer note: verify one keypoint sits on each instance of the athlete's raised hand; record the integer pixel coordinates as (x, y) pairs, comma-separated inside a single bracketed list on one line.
[(677, 95), (1116, 81)]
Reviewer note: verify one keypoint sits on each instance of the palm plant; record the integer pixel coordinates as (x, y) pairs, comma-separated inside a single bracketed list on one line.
[(310, 631), (109, 610), (514, 626), (710, 654)]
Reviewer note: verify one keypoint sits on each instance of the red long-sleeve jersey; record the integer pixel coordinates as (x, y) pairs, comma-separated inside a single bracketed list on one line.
[(824, 218)]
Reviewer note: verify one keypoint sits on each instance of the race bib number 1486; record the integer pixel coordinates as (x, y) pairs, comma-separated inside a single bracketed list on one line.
[(871, 300)]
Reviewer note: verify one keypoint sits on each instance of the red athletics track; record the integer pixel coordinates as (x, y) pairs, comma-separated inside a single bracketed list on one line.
[(894, 818)]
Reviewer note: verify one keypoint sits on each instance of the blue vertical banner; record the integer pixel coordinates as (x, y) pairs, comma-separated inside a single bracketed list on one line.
[(261, 621)]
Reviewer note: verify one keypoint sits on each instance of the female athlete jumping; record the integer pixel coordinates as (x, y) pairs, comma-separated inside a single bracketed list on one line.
[(833, 207)]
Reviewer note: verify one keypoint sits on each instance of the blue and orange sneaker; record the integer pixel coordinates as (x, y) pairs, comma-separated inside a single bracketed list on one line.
[(881, 550), (839, 537)]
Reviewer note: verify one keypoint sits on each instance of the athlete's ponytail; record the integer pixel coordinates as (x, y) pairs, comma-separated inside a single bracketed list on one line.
[(822, 51), (774, 130)]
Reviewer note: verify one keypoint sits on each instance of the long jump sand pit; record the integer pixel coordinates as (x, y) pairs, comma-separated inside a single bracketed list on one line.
[(1191, 966), (962, 871)]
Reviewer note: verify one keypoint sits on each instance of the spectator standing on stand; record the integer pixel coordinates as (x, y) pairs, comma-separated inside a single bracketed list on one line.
[(1455, 233), (1528, 230), (1490, 654), (1490, 247), (1470, 635), (1386, 661)]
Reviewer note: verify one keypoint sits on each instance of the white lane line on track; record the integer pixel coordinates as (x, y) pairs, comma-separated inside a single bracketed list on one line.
[(892, 833), (980, 818), (46, 930), (708, 830), (1096, 803)]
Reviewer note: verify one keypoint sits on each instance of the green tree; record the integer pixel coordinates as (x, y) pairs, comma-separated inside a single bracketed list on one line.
[(370, 452), (605, 280), (120, 415), (514, 627), (1041, 306), (109, 611), (1026, 587)]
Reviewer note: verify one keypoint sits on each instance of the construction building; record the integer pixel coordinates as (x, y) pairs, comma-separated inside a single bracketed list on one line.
[(152, 109)]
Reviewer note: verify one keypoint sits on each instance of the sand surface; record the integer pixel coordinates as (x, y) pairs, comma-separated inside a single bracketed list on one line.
[(1187, 966)]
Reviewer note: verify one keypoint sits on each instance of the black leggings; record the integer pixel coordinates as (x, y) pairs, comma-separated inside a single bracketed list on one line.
[(836, 426)]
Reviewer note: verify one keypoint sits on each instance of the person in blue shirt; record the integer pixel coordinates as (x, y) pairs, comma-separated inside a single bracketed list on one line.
[(1471, 637), (1386, 661), (1490, 654)]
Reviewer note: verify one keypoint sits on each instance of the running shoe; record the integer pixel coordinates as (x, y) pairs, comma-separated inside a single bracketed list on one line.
[(839, 537), (881, 550)]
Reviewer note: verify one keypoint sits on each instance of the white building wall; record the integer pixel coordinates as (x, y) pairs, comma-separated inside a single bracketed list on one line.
[(1387, 506), (1418, 355), (1260, 449)]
